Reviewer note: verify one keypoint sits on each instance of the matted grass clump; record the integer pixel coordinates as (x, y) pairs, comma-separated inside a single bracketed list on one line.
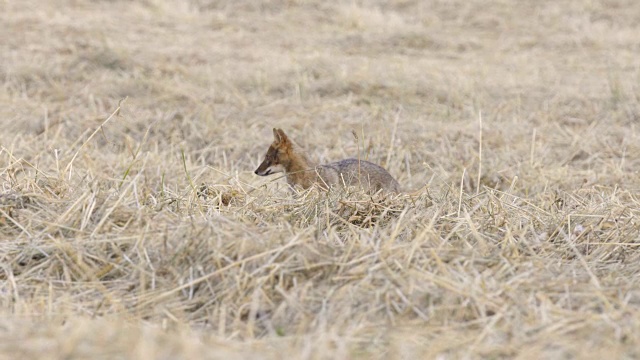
[(132, 225)]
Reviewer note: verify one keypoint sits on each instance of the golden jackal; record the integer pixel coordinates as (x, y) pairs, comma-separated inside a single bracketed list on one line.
[(286, 156)]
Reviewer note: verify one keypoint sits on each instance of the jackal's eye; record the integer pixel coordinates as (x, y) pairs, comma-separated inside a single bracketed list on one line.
[(272, 156)]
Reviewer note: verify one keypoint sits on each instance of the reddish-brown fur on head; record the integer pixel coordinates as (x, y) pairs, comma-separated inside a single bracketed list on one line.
[(277, 158)]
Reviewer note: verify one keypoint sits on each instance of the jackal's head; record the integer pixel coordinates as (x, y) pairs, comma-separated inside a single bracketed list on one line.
[(277, 158)]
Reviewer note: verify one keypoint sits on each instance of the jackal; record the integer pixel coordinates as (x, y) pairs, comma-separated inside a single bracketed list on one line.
[(285, 156)]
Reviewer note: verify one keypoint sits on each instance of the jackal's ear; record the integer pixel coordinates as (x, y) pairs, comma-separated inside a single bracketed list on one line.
[(276, 136), (279, 136)]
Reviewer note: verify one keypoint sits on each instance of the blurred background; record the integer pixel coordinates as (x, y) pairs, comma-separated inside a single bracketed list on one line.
[(555, 81)]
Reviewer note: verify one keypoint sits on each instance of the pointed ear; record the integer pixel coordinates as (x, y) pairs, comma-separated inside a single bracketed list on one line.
[(276, 136), (283, 136), (279, 137)]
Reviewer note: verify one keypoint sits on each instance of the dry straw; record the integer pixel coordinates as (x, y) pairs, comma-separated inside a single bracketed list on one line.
[(137, 229)]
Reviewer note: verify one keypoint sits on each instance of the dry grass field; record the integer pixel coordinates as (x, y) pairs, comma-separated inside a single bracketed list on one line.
[(132, 225)]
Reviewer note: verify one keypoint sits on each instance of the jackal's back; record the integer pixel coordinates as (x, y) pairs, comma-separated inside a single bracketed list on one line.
[(354, 172)]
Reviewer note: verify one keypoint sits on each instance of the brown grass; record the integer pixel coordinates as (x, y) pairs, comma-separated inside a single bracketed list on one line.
[(146, 235)]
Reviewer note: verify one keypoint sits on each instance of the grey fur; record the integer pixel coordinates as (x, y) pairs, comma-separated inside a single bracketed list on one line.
[(354, 172)]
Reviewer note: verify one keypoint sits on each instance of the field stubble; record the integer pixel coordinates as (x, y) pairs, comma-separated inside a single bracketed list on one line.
[(145, 233)]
